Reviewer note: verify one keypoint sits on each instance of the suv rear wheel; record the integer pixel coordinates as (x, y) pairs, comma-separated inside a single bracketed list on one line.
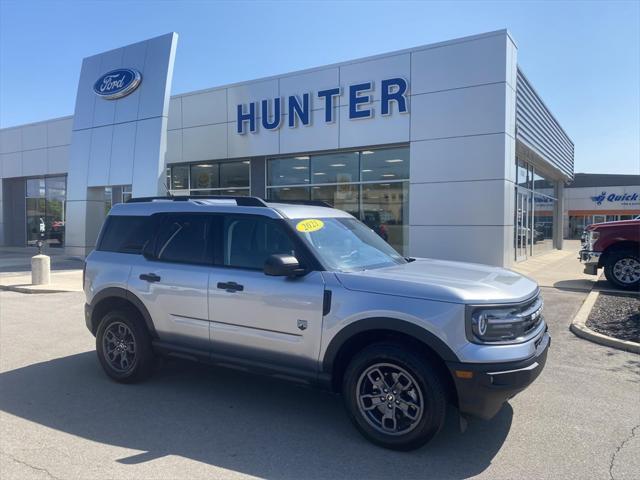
[(124, 347), (393, 397), (623, 269)]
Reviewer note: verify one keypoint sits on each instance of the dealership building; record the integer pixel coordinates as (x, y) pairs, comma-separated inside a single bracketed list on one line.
[(445, 150), (595, 198)]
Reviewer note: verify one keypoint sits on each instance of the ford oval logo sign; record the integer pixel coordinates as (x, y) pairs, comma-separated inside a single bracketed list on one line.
[(117, 83)]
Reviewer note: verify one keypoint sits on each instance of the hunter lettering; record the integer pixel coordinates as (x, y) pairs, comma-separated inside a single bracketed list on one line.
[(298, 108)]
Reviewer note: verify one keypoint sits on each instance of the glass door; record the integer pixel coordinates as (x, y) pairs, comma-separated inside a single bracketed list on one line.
[(45, 213), (523, 224)]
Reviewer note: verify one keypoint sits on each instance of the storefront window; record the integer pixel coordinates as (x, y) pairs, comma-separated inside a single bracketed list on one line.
[(335, 168), (288, 171), (211, 178), (179, 177), (385, 209), (126, 193), (289, 193), (234, 174), (372, 185), (385, 165), (543, 211), (535, 211), (45, 201), (344, 197), (205, 176)]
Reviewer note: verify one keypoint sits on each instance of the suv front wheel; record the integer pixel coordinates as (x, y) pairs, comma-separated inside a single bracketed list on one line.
[(393, 397), (124, 347)]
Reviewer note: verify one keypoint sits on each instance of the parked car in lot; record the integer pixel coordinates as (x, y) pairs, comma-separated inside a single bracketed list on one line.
[(307, 292), (616, 247)]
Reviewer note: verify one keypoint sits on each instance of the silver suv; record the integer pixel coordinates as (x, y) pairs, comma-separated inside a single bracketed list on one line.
[(307, 292)]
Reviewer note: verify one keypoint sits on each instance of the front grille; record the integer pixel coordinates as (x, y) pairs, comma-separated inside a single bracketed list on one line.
[(531, 315)]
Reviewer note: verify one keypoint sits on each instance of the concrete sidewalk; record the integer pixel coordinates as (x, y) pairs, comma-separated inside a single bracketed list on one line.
[(61, 281), (15, 271), (561, 269)]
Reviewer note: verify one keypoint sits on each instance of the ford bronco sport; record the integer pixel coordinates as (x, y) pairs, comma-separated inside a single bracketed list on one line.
[(308, 292)]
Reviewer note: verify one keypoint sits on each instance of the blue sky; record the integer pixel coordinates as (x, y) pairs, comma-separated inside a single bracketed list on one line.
[(582, 57)]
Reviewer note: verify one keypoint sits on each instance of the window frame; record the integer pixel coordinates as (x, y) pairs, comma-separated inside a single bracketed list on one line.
[(150, 251), (152, 235), (305, 256)]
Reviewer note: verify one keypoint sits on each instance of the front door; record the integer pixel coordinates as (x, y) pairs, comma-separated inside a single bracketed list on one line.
[(174, 285), (258, 318)]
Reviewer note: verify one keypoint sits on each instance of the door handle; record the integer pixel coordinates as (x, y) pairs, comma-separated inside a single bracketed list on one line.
[(230, 286), (150, 277)]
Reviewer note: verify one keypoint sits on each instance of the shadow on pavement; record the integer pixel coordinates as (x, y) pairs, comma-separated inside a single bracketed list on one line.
[(249, 424), (578, 285)]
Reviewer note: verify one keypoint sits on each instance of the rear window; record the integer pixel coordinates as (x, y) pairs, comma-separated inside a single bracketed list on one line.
[(126, 234)]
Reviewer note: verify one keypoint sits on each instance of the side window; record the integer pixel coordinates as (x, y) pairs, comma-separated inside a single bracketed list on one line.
[(126, 234), (249, 241), (186, 239)]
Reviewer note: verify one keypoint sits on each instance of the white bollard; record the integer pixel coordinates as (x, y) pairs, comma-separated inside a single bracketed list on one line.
[(40, 270)]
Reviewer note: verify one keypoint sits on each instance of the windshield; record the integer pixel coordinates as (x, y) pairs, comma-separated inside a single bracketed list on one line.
[(346, 244)]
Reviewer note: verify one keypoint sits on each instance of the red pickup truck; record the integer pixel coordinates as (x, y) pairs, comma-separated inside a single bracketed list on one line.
[(616, 247)]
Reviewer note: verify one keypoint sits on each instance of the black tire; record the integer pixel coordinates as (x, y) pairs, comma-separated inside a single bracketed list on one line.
[(431, 396), (622, 269), (141, 360)]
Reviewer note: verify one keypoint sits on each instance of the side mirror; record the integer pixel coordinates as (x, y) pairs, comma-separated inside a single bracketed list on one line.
[(283, 265)]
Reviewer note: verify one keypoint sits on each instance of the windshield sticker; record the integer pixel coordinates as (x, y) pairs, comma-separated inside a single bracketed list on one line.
[(309, 225)]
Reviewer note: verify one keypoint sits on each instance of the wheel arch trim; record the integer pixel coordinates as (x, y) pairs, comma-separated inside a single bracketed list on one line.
[(121, 293), (389, 324)]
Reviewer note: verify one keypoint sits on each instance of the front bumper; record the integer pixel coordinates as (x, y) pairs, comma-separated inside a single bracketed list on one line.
[(88, 312), (591, 261), (482, 388)]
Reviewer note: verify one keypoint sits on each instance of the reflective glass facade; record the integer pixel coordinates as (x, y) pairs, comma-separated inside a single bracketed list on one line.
[(534, 213), (45, 210), (210, 178), (372, 185)]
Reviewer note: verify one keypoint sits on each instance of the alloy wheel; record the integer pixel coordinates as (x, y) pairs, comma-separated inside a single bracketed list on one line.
[(390, 399), (119, 347)]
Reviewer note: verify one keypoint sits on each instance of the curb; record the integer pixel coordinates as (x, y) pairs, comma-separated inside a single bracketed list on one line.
[(27, 289), (579, 328)]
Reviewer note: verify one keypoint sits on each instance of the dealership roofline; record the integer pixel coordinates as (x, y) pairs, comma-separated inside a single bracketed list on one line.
[(378, 56), (546, 107), (418, 48), (591, 180), (48, 120)]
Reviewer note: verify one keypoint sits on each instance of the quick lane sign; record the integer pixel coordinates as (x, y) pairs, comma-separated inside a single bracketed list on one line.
[(298, 109)]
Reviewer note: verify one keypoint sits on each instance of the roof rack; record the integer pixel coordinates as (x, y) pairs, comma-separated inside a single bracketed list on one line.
[(240, 201), (311, 203)]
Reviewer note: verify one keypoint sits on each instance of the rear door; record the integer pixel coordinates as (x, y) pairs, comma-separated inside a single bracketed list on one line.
[(272, 320), (174, 284)]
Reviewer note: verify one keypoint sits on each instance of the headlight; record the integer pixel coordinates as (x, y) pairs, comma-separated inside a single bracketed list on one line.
[(504, 324), (592, 236)]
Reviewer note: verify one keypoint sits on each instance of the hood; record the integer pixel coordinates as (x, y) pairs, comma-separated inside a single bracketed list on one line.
[(445, 281), (617, 223)]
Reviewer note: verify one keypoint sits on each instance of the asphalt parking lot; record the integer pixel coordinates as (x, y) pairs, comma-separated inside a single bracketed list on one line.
[(60, 417)]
